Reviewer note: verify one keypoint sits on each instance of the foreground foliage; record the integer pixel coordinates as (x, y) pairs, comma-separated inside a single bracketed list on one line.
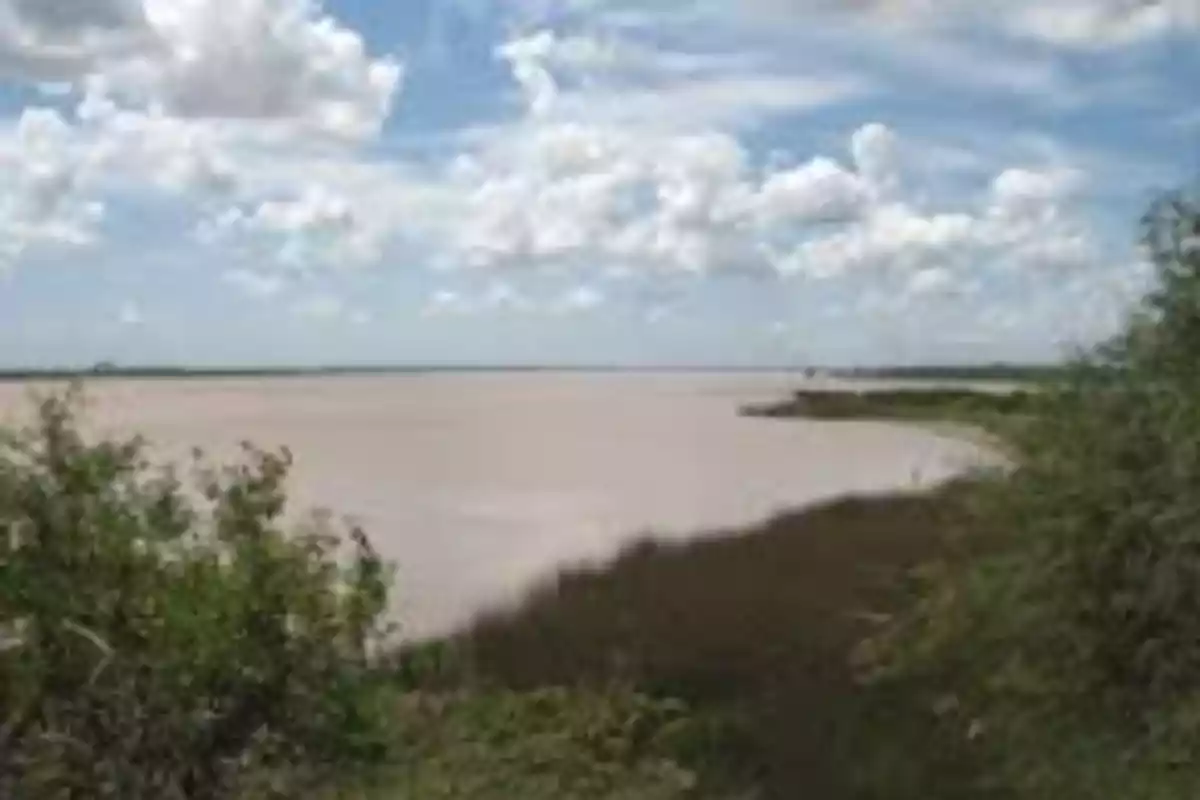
[(167, 642), (542, 744), (1071, 662)]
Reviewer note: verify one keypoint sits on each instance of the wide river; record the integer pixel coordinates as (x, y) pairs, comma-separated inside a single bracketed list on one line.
[(476, 485)]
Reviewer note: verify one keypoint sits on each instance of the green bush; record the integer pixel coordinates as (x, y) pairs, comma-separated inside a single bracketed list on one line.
[(168, 640), (544, 744), (1071, 661)]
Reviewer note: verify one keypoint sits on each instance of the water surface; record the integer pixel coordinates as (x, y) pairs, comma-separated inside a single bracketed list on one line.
[(478, 484)]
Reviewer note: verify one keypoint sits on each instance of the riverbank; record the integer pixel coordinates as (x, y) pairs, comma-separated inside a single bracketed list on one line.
[(753, 629)]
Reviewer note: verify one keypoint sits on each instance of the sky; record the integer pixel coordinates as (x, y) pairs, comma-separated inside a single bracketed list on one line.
[(687, 182)]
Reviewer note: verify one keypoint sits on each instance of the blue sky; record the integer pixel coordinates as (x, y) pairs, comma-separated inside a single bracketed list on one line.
[(582, 181)]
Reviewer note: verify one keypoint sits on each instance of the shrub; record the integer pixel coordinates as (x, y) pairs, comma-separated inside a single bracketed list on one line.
[(1072, 660), (541, 744), (169, 640)]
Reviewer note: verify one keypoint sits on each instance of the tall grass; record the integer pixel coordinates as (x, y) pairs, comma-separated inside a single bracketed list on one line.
[(753, 629)]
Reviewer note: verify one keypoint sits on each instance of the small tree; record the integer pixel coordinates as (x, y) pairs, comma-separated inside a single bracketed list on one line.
[(1108, 490), (163, 640), (1071, 660)]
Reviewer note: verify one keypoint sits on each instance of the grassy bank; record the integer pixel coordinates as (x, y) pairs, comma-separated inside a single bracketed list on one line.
[(997, 414), (753, 630), (955, 405)]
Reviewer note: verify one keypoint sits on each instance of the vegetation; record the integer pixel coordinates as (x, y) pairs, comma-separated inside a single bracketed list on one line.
[(1019, 373), (165, 644), (987, 409), (542, 744), (1072, 658), (750, 628)]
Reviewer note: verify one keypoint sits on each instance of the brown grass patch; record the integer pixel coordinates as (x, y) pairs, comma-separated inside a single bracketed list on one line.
[(757, 624)]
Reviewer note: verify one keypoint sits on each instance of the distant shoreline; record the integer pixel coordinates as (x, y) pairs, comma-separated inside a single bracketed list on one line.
[(1003, 372)]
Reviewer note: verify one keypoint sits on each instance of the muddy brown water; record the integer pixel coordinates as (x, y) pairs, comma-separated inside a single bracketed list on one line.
[(476, 485)]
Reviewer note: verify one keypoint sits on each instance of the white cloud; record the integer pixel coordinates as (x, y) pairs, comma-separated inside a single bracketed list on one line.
[(314, 227), (820, 190), (43, 202), (283, 60), (931, 280), (594, 194), (1022, 193), (876, 154), (527, 58), (219, 103), (1022, 221), (60, 39)]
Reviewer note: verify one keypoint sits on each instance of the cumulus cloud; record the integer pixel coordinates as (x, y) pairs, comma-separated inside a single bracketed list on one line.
[(1021, 222), (185, 97), (314, 227), (62, 39), (43, 202), (821, 190), (931, 280), (1023, 194), (242, 59), (875, 149), (257, 59), (598, 193)]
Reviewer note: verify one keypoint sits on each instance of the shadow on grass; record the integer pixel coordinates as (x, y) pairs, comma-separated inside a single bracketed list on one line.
[(753, 628)]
